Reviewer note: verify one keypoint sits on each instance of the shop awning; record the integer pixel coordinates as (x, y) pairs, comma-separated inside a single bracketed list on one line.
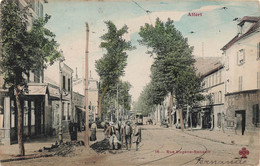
[(38, 90), (54, 92)]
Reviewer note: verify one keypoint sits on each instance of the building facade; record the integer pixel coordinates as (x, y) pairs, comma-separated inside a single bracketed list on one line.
[(34, 103), (211, 110), (242, 89)]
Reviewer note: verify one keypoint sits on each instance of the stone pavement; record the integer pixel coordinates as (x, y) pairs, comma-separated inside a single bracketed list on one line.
[(226, 137)]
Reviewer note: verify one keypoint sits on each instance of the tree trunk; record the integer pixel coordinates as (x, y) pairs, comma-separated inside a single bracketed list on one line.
[(20, 121), (181, 119), (100, 100), (170, 109), (190, 120)]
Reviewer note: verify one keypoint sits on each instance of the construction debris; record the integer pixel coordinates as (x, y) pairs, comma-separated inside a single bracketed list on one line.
[(65, 149), (101, 146)]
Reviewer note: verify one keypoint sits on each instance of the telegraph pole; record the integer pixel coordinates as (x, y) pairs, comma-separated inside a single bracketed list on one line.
[(86, 87), (117, 112)]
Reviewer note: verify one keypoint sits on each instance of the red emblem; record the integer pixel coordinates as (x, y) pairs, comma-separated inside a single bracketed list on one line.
[(244, 152)]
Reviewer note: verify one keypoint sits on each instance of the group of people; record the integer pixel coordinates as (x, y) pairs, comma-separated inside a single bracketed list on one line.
[(122, 133)]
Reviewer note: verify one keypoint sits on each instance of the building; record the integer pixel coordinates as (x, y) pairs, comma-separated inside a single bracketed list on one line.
[(93, 97), (63, 108), (242, 90), (210, 111), (34, 104), (79, 88)]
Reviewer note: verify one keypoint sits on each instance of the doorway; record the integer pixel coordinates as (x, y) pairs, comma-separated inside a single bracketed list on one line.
[(241, 120)]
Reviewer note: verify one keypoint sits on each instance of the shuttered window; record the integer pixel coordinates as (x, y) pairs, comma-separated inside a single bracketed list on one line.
[(256, 117), (240, 82)]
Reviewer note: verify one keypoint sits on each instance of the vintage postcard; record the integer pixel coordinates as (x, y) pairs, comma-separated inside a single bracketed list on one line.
[(129, 82)]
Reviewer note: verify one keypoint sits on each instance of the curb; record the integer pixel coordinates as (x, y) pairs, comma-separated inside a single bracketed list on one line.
[(26, 157)]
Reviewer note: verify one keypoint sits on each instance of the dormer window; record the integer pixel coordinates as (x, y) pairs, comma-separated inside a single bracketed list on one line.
[(241, 57)]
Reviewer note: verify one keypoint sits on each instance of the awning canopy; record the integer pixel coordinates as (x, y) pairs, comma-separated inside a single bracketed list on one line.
[(39, 90), (54, 92), (43, 89)]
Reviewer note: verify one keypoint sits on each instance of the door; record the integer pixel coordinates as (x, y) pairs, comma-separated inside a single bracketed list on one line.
[(241, 121)]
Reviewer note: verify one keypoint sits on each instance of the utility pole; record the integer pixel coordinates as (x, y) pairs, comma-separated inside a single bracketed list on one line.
[(86, 87), (60, 103), (117, 103)]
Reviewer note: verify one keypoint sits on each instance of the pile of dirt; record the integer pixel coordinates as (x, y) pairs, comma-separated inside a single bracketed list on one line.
[(64, 149), (101, 146)]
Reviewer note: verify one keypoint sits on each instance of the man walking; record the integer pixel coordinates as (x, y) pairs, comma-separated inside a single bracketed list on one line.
[(128, 135)]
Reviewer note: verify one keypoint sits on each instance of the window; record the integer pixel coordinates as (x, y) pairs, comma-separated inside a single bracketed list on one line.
[(64, 82), (32, 113), (37, 76), (212, 79), (63, 111), (213, 98), (206, 83), (258, 50), (13, 110), (226, 86), (240, 82), (69, 85), (220, 97), (219, 120), (255, 116), (227, 63), (216, 78), (220, 76), (241, 56), (25, 113), (68, 111)]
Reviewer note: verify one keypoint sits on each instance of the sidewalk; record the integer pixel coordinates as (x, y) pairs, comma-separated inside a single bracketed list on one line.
[(229, 137), (34, 148)]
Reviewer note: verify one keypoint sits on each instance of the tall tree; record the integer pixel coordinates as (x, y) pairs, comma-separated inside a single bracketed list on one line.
[(111, 66), (124, 98), (23, 50), (173, 55)]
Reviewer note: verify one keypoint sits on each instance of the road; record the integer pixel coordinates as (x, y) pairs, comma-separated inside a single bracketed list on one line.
[(159, 146)]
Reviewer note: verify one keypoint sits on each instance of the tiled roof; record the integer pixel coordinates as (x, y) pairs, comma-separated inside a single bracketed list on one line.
[(207, 65), (253, 28)]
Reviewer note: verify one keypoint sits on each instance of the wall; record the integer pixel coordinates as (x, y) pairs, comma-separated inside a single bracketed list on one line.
[(248, 70), (242, 101)]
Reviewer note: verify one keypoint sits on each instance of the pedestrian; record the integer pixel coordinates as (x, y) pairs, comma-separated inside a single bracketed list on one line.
[(128, 135), (122, 133), (111, 134), (137, 134), (93, 130)]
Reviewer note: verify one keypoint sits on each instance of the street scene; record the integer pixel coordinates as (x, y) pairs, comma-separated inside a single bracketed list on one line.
[(133, 82)]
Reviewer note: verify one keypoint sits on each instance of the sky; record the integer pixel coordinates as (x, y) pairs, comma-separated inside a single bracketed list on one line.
[(208, 33)]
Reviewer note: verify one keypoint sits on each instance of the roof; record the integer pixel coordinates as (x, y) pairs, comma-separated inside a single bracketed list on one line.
[(248, 19), (253, 28), (207, 65)]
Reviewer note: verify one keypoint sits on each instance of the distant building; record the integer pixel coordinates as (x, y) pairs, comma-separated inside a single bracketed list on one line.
[(242, 89), (60, 75), (79, 88), (210, 111)]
